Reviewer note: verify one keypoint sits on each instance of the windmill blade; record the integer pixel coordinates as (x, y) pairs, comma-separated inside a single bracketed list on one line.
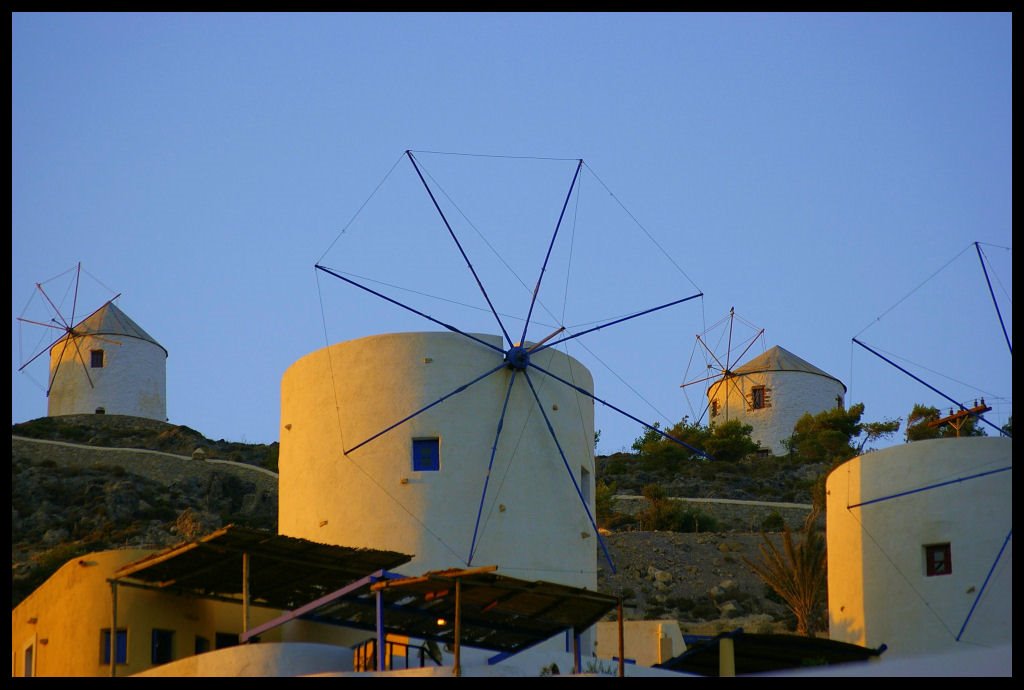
[(458, 244), (43, 324), (728, 349), (739, 391), (721, 366), (74, 302), (451, 328), (929, 386), (45, 349), (751, 344), (427, 407), (707, 406), (53, 306), (623, 319), (706, 378), (547, 257), (490, 466), (60, 360), (995, 302), (85, 367), (622, 412), (568, 469)]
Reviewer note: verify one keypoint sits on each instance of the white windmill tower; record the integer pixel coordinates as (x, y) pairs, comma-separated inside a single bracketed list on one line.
[(463, 448), (104, 363)]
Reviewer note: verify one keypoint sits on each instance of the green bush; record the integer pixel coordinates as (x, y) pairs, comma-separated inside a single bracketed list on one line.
[(694, 520), (774, 522)]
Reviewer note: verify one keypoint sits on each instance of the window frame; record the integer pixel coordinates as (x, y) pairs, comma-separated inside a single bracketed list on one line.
[(28, 660), (755, 398), (97, 356), (930, 563), (433, 462), (120, 648)]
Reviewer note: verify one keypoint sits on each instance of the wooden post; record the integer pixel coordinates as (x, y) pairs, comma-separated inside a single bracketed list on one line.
[(245, 593), (458, 627), (575, 653), (726, 657), (113, 628), (622, 644), (380, 630)]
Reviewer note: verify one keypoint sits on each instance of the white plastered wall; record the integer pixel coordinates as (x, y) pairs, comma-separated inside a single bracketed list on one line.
[(955, 491), (132, 380), (789, 396), (533, 524)]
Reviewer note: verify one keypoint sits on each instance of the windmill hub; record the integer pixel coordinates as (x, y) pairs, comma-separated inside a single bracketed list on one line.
[(518, 357)]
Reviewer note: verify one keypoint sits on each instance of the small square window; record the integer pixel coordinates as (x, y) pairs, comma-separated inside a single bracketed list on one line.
[(97, 359), (938, 559), (757, 397), (426, 454), (121, 645)]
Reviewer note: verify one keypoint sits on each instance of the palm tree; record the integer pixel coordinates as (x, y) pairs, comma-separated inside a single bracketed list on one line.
[(797, 573)]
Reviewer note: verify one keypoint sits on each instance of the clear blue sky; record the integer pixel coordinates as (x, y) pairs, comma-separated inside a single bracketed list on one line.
[(824, 174)]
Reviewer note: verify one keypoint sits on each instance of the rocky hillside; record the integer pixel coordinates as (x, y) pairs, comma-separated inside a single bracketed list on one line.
[(87, 483), (67, 500)]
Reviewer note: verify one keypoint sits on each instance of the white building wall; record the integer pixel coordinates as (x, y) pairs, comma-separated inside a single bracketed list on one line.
[(878, 589), (789, 396), (533, 524), (133, 380)]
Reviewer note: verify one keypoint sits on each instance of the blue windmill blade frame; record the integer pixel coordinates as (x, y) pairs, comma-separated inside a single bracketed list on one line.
[(458, 244), (490, 466), (622, 412), (516, 357)]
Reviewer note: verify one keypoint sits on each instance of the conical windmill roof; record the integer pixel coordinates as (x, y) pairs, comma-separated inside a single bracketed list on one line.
[(780, 359), (109, 320)]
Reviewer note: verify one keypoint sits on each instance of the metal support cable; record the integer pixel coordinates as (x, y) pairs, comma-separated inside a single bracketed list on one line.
[(929, 487), (622, 412), (561, 215), (490, 466), (565, 462), (427, 407), (981, 591), (930, 387), (459, 245), (994, 302), (449, 327), (617, 321)]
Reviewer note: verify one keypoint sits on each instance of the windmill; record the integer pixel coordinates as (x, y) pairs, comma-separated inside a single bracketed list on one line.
[(60, 328), (516, 353), (719, 346)]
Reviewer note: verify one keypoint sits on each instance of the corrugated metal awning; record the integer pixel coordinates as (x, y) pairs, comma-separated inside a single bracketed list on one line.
[(498, 613), (284, 572)]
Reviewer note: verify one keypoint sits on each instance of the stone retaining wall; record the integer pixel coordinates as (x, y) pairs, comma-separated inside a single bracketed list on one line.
[(165, 468)]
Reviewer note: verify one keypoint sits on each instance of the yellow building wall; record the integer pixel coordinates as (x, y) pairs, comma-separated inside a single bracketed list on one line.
[(62, 621)]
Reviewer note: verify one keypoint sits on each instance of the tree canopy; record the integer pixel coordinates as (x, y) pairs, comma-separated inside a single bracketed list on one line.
[(921, 425)]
